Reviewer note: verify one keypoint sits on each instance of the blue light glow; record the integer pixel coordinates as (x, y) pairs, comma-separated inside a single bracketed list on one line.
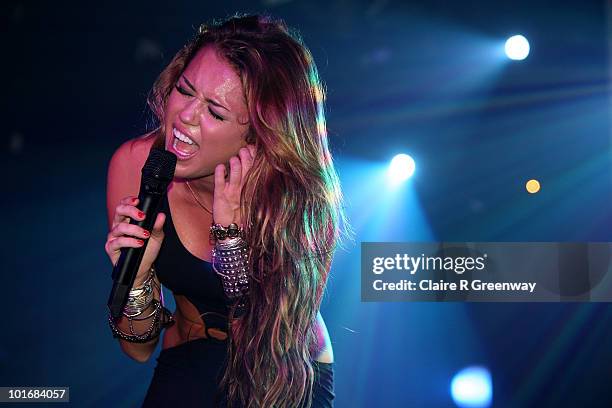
[(401, 168), (471, 387), (517, 47)]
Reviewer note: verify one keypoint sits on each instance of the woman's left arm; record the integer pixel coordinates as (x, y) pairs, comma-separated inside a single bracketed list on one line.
[(324, 352)]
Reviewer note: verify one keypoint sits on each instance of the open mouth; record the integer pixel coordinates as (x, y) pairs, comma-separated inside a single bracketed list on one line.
[(183, 146)]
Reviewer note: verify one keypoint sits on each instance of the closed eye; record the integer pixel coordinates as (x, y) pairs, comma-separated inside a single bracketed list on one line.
[(183, 91), (214, 115)]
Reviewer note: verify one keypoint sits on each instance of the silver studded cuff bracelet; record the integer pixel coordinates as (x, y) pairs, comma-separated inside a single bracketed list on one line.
[(230, 262)]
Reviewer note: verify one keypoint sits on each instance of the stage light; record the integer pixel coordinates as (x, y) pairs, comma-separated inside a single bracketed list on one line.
[(401, 168), (517, 47), (471, 387), (532, 186)]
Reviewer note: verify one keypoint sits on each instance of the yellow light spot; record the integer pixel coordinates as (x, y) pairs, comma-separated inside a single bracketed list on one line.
[(533, 186)]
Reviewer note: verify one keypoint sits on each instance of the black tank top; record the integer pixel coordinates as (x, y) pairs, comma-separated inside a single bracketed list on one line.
[(186, 274)]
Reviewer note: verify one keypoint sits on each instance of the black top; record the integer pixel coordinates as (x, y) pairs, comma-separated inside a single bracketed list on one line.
[(188, 375), (186, 274)]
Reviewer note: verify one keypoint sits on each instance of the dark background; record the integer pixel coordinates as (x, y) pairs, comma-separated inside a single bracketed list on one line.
[(426, 78)]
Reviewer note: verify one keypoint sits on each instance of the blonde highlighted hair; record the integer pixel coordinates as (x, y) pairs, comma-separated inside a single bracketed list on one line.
[(291, 206)]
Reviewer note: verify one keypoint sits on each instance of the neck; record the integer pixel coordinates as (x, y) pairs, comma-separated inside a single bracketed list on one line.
[(204, 187)]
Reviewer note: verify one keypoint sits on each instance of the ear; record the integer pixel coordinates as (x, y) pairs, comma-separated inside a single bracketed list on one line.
[(250, 136)]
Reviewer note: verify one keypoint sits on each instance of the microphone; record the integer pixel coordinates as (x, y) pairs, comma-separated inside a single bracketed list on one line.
[(157, 173)]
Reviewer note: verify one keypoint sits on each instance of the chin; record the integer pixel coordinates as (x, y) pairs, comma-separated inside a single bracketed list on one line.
[(191, 171)]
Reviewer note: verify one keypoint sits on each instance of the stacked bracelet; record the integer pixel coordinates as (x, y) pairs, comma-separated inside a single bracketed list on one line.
[(230, 262), (139, 300)]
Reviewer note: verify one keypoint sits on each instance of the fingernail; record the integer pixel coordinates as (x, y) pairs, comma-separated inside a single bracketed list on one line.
[(146, 233), (141, 214), (140, 242), (134, 200)]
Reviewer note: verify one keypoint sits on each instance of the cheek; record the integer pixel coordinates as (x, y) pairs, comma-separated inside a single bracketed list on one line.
[(173, 104), (220, 142), (209, 127)]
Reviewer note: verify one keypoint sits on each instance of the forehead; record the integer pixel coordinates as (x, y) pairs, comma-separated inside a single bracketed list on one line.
[(214, 77)]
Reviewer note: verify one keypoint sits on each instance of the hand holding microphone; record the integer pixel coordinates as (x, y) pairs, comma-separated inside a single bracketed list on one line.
[(133, 259), (124, 234)]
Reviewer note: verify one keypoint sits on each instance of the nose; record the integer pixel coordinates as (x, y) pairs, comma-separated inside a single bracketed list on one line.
[(191, 112)]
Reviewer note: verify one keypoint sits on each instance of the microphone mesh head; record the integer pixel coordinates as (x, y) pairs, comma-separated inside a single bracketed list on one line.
[(160, 165)]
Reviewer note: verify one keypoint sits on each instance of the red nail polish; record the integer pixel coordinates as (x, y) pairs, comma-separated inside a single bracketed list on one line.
[(134, 200), (141, 214), (146, 233), (140, 242)]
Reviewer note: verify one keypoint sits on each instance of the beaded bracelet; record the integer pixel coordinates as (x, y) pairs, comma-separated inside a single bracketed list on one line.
[(162, 318), (150, 334), (220, 232)]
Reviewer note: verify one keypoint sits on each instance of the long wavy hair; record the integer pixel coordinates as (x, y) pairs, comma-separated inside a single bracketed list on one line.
[(291, 206)]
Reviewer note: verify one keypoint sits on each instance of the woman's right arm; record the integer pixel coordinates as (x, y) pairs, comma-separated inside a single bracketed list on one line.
[(123, 183)]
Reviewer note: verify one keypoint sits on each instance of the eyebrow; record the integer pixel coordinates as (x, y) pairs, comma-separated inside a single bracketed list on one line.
[(190, 85)]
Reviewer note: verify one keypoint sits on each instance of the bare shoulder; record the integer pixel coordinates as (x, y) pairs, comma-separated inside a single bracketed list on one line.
[(132, 152), (123, 177)]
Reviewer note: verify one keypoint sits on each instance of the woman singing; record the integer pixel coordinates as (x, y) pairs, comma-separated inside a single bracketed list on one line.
[(242, 107)]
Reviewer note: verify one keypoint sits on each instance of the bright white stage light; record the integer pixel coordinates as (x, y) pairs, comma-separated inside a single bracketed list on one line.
[(401, 168), (471, 387), (517, 47)]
